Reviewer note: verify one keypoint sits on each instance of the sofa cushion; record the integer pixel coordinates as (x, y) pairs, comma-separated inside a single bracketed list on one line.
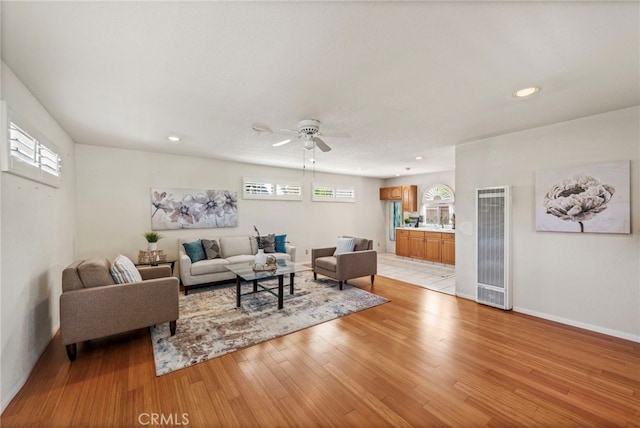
[(211, 248), (70, 278), (235, 246), (241, 259), (280, 243), (124, 271), (194, 250), (361, 244), (269, 243), (345, 245), (95, 273), (204, 267), (329, 263)]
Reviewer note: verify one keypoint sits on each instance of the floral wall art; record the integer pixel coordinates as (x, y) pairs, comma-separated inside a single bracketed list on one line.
[(592, 198), (193, 209)]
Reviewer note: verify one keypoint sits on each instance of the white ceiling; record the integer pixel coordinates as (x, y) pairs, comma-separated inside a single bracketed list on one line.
[(402, 78)]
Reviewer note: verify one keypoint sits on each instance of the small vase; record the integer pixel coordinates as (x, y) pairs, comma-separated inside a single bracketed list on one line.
[(152, 246), (261, 258)]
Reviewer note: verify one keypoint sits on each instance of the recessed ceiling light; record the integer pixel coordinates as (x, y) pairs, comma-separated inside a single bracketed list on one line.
[(526, 92), (174, 138), (419, 158), (397, 175)]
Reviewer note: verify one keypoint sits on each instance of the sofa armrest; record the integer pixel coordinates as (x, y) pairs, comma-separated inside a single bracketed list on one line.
[(185, 266), (95, 312), (291, 250), (320, 252), (153, 272), (356, 264)]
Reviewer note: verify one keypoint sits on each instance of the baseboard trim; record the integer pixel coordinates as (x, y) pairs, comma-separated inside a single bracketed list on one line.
[(585, 326)]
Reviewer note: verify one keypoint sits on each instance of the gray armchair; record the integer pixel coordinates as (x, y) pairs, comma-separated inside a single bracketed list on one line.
[(363, 261), (93, 306)]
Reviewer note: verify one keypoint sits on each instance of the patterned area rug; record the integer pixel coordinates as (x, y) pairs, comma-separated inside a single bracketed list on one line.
[(210, 325)]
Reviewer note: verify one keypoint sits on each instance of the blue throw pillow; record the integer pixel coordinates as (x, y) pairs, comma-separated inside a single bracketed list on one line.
[(280, 241), (195, 251)]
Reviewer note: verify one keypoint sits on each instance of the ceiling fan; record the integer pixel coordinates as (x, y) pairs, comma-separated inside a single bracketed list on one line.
[(308, 131)]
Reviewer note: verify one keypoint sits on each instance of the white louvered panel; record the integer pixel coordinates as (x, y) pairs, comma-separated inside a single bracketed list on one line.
[(492, 247)]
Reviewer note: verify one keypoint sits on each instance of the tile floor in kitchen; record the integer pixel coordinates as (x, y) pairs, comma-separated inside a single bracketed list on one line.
[(434, 276)]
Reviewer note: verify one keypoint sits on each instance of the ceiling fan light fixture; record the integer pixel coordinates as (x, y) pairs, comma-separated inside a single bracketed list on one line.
[(526, 92)]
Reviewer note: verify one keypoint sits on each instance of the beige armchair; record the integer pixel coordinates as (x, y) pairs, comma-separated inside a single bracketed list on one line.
[(93, 306), (362, 261)]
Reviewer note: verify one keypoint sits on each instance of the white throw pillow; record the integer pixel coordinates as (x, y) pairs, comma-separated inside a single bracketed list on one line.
[(345, 245), (124, 271)]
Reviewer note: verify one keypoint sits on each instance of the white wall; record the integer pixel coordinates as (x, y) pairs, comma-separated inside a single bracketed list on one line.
[(424, 183), (37, 242), (587, 280), (113, 187)]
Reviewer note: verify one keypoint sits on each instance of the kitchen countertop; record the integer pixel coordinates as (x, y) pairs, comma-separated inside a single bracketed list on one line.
[(428, 229)]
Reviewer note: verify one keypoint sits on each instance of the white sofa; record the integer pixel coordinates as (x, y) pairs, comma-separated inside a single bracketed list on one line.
[(233, 249)]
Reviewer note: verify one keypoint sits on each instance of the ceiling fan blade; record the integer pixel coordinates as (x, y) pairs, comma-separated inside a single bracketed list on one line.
[(321, 144), (282, 143), (261, 127), (288, 131)]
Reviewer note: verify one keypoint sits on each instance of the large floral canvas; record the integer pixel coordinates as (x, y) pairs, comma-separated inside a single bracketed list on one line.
[(193, 209), (592, 198)]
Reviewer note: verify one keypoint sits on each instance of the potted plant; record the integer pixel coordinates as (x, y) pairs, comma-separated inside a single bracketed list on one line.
[(152, 240), (407, 221)]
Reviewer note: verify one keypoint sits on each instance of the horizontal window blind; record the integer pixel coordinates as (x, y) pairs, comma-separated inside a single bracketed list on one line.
[(254, 188), (332, 193), (28, 153)]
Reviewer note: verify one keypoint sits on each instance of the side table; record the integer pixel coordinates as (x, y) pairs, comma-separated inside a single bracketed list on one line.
[(164, 262)]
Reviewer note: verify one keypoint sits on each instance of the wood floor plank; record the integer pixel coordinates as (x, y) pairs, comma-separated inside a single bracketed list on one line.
[(423, 359)]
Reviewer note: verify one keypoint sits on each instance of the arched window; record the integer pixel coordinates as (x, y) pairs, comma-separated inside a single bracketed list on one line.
[(437, 205)]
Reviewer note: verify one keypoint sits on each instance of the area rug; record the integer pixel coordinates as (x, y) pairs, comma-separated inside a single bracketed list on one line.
[(210, 325)]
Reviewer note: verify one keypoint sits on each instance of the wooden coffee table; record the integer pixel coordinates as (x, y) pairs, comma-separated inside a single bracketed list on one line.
[(245, 272)]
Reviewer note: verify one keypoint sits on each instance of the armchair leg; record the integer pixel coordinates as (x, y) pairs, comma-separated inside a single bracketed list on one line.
[(372, 278), (315, 276), (72, 351), (340, 284), (172, 327)]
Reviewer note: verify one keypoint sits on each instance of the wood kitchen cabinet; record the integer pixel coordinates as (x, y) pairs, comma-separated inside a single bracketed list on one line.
[(417, 248), (391, 193), (402, 243), (431, 246), (410, 198), (407, 194), (449, 248)]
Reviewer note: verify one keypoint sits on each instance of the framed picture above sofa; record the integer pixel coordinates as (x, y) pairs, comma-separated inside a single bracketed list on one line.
[(193, 209)]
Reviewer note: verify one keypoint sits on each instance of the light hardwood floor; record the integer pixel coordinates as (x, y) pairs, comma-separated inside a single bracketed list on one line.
[(424, 359)]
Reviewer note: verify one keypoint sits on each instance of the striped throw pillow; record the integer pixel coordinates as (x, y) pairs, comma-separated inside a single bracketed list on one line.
[(345, 245), (124, 271)]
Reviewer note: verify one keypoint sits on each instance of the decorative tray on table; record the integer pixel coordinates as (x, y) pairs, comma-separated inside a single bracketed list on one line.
[(258, 267)]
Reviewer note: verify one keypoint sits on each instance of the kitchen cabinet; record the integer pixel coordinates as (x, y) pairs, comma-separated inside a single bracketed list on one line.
[(449, 248), (417, 249), (402, 243), (391, 193), (410, 198), (407, 194), (431, 246)]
